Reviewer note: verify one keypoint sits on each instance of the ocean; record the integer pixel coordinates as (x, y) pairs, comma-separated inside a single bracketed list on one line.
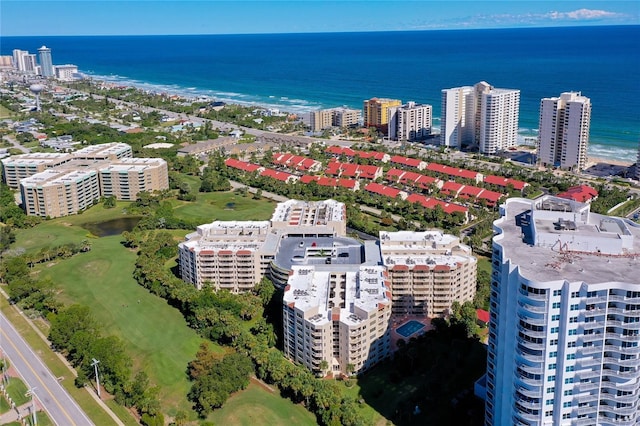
[(304, 72)]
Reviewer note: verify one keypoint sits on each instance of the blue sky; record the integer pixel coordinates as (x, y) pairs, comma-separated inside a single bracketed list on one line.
[(82, 17)]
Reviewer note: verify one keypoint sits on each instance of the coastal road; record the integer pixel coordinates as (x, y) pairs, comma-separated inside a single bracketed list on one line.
[(61, 408)]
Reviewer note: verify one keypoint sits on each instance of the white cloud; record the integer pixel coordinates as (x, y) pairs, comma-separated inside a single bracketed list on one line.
[(583, 15)]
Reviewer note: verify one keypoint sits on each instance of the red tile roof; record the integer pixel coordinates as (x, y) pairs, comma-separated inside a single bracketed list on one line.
[(483, 316), (502, 181), (580, 193), (452, 171), (411, 162), (387, 191), (241, 165)]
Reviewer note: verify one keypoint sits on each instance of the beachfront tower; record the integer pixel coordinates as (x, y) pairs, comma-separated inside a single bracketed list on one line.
[(564, 131), (410, 122), (638, 165), (564, 330), (376, 113), (46, 64), (24, 61), (482, 116)]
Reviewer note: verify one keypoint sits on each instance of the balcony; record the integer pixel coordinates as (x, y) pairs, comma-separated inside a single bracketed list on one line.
[(586, 386)]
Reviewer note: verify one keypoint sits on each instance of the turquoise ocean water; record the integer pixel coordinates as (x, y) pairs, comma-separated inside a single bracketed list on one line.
[(302, 72)]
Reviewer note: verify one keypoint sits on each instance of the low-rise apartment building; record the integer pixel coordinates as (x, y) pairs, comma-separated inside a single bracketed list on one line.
[(55, 192), (428, 271), (54, 185)]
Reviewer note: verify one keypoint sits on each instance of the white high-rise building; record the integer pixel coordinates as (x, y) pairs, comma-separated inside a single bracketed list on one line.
[(410, 122), (458, 117), (24, 61), (65, 72), (46, 63), (564, 334), (481, 115), (564, 131)]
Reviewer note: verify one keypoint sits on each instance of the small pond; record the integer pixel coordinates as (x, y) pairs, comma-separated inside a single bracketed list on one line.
[(112, 227)]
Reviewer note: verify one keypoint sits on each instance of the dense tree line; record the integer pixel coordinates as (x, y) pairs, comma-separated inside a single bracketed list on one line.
[(11, 214), (26, 291), (222, 317), (77, 335)]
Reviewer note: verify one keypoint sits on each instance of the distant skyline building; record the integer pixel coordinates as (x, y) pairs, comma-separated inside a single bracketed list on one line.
[(481, 115), (65, 72), (638, 164), (24, 61), (376, 112), (564, 332), (46, 63), (333, 117), (410, 122), (564, 131)]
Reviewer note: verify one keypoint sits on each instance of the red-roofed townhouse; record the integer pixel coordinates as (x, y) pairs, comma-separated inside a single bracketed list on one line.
[(504, 182), (580, 193), (384, 190), (451, 188)]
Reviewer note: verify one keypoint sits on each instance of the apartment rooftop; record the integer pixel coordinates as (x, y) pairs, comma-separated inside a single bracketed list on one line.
[(337, 295), (104, 150), (430, 240), (52, 177), (553, 238), (309, 213), (36, 158)]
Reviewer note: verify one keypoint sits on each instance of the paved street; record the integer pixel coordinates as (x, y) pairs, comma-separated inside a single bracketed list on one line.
[(59, 405)]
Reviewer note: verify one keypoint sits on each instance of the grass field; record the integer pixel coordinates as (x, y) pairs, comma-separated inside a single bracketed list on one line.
[(17, 390), (4, 112), (224, 206), (155, 333), (258, 406), (4, 405)]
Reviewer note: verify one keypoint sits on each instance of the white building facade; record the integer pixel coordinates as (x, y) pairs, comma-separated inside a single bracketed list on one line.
[(564, 131), (339, 316), (564, 330), (481, 115), (410, 122)]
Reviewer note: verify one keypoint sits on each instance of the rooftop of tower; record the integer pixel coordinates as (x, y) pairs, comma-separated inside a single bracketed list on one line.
[(553, 239)]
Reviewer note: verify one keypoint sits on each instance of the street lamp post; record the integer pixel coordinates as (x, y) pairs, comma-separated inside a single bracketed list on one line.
[(95, 367), (32, 392)]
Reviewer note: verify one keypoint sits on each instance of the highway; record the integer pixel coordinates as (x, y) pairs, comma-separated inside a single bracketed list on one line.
[(58, 404)]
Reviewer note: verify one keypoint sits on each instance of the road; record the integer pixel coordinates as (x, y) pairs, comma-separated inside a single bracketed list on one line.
[(16, 144), (58, 404)]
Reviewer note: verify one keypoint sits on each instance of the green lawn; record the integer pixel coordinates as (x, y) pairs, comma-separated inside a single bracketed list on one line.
[(17, 390), (156, 334), (224, 206), (4, 405), (258, 406), (4, 112)]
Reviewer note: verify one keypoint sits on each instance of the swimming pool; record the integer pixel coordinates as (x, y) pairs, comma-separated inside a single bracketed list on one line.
[(409, 328)]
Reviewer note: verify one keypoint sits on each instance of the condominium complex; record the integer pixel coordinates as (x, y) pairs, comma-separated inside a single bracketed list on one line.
[(56, 185), (46, 64), (65, 72), (236, 255), (55, 192), (376, 112), (24, 61), (410, 122), (339, 315), (334, 117), (337, 290), (564, 131), (564, 329), (481, 115), (428, 271), (320, 120)]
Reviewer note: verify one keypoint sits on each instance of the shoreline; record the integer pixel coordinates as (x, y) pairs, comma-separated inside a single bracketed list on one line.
[(620, 156)]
